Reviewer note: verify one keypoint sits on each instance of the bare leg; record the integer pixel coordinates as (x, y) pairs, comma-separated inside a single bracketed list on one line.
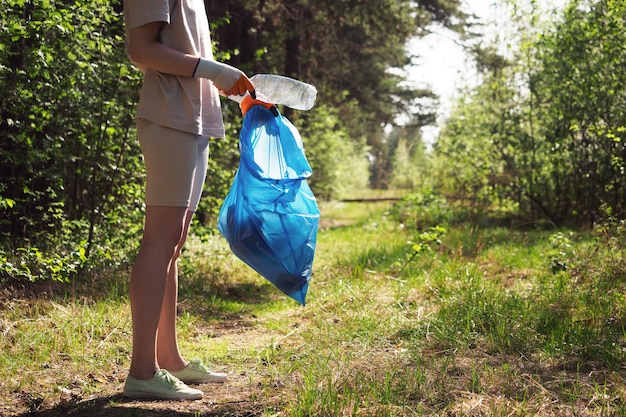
[(168, 354), (163, 230)]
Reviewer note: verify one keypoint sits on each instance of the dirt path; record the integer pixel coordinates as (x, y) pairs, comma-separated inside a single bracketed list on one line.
[(250, 391), (238, 397)]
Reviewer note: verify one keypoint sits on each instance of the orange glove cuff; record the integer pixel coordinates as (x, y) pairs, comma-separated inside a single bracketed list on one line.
[(248, 102)]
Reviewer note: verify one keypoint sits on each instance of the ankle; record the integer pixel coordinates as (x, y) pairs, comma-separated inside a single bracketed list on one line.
[(173, 364), (142, 374)]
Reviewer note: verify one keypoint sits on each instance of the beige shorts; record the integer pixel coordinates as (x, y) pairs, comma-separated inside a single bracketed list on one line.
[(176, 165)]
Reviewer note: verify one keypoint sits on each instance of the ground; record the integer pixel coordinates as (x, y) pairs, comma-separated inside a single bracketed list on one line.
[(240, 396)]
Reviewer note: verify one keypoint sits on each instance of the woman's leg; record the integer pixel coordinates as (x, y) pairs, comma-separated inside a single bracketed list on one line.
[(168, 353), (164, 228)]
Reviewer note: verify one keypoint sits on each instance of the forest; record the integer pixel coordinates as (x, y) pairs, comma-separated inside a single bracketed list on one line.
[(540, 140), (479, 274)]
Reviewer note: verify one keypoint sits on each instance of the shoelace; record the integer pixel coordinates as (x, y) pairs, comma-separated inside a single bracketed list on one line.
[(168, 378)]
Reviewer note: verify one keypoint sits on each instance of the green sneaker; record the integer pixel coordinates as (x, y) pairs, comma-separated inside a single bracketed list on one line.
[(163, 386), (196, 373)]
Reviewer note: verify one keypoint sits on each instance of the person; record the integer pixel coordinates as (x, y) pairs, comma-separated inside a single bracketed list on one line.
[(178, 111)]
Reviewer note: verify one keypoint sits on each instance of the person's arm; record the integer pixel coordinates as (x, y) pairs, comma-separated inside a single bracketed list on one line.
[(146, 50)]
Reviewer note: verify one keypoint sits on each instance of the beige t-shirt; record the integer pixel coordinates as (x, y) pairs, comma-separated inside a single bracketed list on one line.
[(184, 103)]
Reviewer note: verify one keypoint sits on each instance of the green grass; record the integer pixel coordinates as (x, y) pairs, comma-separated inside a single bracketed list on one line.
[(491, 321)]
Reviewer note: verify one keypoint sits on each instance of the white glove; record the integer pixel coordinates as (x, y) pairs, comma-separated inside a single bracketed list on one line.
[(230, 80)]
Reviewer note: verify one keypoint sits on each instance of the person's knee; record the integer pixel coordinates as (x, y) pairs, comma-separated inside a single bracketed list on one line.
[(164, 228), (174, 239), (166, 241), (183, 235), (179, 247)]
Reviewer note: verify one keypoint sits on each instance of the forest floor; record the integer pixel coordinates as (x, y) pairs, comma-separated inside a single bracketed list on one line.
[(477, 325)]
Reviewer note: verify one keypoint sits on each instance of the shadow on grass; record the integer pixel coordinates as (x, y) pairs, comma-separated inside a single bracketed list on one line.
[(206, 295), (117, 406)]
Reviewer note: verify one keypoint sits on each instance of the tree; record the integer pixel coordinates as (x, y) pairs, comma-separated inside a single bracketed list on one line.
[(581, 92), (67, 94), (551, 120), (72, 175), (346, 49)]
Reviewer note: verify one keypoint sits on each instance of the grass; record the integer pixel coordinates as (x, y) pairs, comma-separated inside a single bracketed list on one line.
[(488, 321)]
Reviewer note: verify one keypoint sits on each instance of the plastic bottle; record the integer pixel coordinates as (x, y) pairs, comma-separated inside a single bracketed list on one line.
[(277, 89)]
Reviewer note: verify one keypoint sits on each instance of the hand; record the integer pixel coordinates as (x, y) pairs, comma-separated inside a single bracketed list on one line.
[(248, 102), (230, 80)]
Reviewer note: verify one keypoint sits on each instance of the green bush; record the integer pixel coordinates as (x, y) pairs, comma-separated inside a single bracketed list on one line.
[(71, 164), (422, 210)]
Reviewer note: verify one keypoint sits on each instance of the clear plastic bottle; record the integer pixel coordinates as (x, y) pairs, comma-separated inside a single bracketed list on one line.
[(278, 89)]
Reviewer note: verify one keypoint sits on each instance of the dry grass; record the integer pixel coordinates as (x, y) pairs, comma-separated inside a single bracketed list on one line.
[(369, 343)]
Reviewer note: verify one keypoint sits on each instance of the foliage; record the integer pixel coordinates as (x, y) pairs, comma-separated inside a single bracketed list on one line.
[(473, 161), (338, 163), (72, 175), (419, 211), (561, 247), (422, 242), (584, 125), (34, 265), (544, 132), (408, 166), (67, 96), (348, 51)]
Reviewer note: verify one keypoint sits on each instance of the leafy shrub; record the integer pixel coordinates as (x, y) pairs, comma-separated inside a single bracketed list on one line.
[(339, 164), (71, 167), (423, 210)]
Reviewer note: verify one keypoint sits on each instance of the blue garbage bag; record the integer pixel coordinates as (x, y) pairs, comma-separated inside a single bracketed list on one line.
[(270, 215)]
